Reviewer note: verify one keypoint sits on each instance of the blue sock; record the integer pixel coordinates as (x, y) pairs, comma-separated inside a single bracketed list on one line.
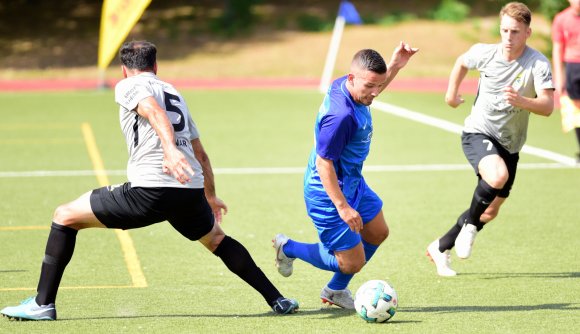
[(340, 281), (315, 254)]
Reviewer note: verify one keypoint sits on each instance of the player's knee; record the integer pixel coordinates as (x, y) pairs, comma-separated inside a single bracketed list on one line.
[(383, 235), (489, 214), (216, 240), (376, 235), (63, 215), (377, 238), (498, 180), (352, 267)]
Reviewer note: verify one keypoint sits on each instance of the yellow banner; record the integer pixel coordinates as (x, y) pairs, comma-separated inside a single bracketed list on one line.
[(117, 19)]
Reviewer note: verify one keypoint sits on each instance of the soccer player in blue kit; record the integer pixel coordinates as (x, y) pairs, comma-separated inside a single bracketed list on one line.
[(345, 211)]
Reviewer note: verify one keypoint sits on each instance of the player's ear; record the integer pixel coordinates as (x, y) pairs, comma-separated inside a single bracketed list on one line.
[(124, 70), (350, 78)]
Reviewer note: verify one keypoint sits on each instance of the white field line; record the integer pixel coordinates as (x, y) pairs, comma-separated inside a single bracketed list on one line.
[(561, 161), (282, 170), (456, 128)]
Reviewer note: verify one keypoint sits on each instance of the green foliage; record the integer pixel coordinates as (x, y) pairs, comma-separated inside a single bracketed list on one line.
[(236, 18), (451, 11), (390, 19), (309, 22), (549, 8)]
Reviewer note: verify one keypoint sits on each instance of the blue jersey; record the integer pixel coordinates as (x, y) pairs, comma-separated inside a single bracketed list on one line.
[(343, 132)]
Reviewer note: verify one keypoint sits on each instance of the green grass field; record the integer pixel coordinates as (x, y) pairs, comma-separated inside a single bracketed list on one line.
[(523, 277)]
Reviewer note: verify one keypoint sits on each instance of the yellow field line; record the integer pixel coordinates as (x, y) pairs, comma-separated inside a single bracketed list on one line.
[(131, 258), (21, 228), (73, 287)]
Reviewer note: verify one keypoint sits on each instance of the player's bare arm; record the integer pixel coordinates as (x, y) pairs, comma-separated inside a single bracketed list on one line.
[(329, 180), (217, 205), (559, 73), (401, 55), (458, 73), (542, 105), (174, 162)]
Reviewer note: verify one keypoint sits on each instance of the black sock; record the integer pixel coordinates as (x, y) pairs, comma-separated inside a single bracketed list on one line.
[(448, 240), (578, 137), (240, 262), (59, 250), (483, 195)]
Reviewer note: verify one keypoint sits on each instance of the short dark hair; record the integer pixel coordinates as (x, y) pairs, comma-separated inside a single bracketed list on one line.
[(370, 60), (138, 55)]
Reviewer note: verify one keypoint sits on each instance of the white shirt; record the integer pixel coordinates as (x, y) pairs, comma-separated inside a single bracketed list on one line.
[(491, 114), (144, 168)]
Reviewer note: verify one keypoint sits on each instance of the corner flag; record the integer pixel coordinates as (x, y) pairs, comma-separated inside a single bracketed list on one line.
[(346, 14), (349, 13), (117, 19)]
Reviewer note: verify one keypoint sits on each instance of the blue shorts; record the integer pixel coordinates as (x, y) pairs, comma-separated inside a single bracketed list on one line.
[(333, 232)]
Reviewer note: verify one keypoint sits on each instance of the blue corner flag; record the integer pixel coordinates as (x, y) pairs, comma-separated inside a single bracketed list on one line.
[(349, 13)]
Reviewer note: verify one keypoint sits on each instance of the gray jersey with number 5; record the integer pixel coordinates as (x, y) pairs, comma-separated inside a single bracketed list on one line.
[(144, 168), (491, 114)]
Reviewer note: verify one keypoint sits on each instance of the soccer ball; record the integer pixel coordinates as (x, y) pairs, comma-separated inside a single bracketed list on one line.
[(376, 301)]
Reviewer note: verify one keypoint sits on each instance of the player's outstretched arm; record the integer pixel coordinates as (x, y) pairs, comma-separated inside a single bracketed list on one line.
[(217, 205), (174, 162), (457, 75), (401, 55)]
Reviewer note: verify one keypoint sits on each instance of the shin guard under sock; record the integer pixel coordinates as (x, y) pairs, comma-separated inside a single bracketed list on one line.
[(483, 195), (239, 261), (59, 250)]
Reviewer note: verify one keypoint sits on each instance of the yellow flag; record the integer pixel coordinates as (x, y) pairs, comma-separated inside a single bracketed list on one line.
[(570, 114), (117, 19)]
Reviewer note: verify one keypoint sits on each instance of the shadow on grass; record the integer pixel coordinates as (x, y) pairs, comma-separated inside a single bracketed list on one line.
[(573, 274), (12, 271), (326, 313), (323, 313), (516, 308)]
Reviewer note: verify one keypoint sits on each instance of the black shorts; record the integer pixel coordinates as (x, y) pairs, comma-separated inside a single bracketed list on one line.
[(573, 80), (124, 207), (476, 146)]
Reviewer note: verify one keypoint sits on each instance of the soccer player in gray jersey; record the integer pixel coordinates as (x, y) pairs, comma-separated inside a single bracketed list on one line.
[(515, 80), (170, 179)]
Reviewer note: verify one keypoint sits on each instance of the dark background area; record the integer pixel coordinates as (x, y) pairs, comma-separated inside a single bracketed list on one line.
[(36, 34)]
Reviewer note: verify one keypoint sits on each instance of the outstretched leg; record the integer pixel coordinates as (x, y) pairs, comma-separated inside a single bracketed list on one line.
[(239, 261), (67, 220)]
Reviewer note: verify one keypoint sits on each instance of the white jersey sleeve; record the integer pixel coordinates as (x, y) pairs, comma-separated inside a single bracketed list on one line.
[(128, 94)]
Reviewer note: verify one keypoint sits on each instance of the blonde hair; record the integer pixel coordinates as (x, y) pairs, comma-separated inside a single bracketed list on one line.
[(518, 11)]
